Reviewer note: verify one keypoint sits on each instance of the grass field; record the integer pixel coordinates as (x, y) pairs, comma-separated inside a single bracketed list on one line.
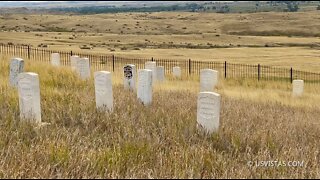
[(269, 38), (259, 122)]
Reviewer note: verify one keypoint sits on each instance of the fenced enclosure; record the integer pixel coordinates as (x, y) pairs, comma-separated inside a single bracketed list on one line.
[(188, 67)]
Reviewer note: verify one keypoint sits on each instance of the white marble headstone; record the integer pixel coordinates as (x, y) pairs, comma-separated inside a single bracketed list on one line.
[(73, 61), (297, 87), (55, 59), (160, 73), (29, 96), (16, 67), (208, 79), (83, 68), (177, 72), (144, 90), (129, 73), (103, 90), (151, 65), (208, 111)]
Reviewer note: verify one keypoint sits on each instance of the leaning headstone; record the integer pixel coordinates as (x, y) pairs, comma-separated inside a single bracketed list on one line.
[(29, 97), (297, 87), (208, 79), (83, 68), (177, 72), (16, 67), (144, 90), (73, 61), (129, 81), (151, 65), (208, 111), (103, 90), (160, 73), (55, 59)]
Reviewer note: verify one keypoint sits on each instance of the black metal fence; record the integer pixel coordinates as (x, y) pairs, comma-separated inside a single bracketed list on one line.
[(188, 67)]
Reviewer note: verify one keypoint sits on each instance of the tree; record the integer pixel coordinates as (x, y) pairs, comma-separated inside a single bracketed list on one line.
[(292, 6), (224, 9), (318, 8)]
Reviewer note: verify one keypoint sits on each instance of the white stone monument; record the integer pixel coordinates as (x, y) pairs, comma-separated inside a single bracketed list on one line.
[(73, 61), (55, 59), (208, 111), (208, 79), (151, 65), (144, 90), (177, 72), (103, 90), (83, 68), (297, 87), (160, 73), (29, 97), (16, 67), (129, 72)]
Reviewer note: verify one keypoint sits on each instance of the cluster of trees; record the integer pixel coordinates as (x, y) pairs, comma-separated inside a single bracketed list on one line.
[(290, 6), (113, 9), (223, 9)]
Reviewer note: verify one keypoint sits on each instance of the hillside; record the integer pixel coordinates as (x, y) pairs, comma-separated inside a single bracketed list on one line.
[(246, 38)]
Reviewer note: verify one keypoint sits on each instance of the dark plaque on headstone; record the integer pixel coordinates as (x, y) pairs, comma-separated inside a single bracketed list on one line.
[(127, 72)]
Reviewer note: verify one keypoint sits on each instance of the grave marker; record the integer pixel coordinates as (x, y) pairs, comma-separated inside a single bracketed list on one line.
[(129, 81), (16, 67), (208, 111), (153, 67), (55, 59), (29, 96), (160, 73), (177, 72), (297, 87), (144, 90), (208, 79), (103, 90), (83, 68), (73, 61)]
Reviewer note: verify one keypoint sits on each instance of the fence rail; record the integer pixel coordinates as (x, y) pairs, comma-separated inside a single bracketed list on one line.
[(188, 67)]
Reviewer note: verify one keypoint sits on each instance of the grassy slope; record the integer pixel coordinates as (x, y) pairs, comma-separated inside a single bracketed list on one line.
[(179, 35), (158, 22), (156, 141)]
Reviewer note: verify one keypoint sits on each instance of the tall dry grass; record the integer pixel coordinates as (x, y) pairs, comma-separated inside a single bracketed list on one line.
[(159, 141)]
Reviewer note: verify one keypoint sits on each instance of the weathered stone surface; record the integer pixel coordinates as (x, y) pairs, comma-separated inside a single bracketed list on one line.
[(103, 90), (208, 111), (160, 73), (144, 91), (83, 68), (153, 67), (55, 59), (297, 88), (16, 67), (177, 72), (29, 97), (73, 62), (208, 79)]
